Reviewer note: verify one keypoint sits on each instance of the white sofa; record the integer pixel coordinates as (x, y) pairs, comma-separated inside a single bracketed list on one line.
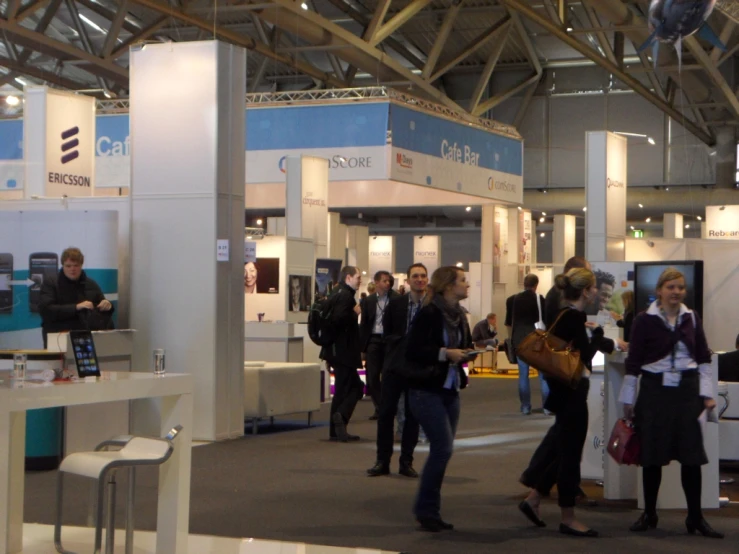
[(275, 388)]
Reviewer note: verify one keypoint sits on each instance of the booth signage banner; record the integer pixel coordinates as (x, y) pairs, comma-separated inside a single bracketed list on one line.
[(433, 151), (112, 151), (722, 222), (11, 155), (427, 251), (70, 147), (616, 185), (352, 137), (381, 255), (307, 199)]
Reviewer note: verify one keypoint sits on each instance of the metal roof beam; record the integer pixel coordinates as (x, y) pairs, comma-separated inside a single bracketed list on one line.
[(115, 29), (378, 18), (441, 38), (42, 75), (473, 46), (630, 81), (145, 33), (726, 33), (398, 20), (490, 103), (30, 9), (84, 37), (713, 73), (487, 72), (12, 8)]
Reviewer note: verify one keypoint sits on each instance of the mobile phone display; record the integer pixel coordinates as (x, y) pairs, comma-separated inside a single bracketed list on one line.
[(84, 354), (41, 266), (6, 290)]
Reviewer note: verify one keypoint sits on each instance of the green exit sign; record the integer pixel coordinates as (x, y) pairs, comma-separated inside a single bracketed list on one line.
[(638, 234)]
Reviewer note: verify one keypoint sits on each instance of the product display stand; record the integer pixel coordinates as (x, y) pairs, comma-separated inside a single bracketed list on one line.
[(272, 342)]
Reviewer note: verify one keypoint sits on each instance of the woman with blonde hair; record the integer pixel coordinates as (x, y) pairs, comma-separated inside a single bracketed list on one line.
[(670, 352), (561, 449), (438, 344), (626, 319)]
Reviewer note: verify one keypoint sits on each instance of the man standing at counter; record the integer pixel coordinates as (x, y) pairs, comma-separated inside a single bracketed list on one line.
[(72, 301), (343, 354)]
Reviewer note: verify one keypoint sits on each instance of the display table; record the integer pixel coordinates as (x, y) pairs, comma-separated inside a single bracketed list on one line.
[(275, 389), (624, 482), (174, 476), (272, 342), (86, 426)]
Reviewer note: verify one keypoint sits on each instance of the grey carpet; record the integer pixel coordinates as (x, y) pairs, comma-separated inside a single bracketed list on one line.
[(292, 484)]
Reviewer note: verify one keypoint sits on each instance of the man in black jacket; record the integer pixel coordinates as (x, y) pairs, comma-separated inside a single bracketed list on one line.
[(72, 301), (344, 354), (528, 310), (396, 321), (370, 331)]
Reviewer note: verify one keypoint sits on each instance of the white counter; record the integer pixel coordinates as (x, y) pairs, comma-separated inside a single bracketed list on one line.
[(272, 342)]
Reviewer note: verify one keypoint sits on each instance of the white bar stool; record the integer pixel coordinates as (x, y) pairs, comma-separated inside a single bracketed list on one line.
[(101, 466)]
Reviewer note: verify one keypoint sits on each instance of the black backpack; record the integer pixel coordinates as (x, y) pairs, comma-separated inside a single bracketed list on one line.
[(320, 329)]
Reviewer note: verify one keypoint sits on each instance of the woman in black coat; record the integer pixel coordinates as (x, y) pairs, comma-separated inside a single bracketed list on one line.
[(562, 447), (438, 345)]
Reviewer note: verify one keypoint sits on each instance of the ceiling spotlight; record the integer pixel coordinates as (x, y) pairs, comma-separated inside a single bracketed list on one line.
[(585, 209), (699, 218), (667, 188), (468, 209), (650, 140), (249, 237), (569, 29), (544, 213), (545, 191), (364, 273), (12, 100), (541, 220), (722, 208), (259, 221), (459, 264), (648, 219), (687, 225), (520, 208), (542, 235), (304, 6), (632, 227), (641, 205)]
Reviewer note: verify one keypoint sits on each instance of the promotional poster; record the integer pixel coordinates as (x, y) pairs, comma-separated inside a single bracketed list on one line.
[(298, 299), (262, 276), (327, 275)]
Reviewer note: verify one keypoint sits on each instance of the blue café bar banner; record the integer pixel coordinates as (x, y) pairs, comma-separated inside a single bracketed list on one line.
[(11, 155)]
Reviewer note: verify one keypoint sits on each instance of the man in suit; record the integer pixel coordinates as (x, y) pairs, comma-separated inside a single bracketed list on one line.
[(528, 307), (344, 354), (370, 332), (396, 322)]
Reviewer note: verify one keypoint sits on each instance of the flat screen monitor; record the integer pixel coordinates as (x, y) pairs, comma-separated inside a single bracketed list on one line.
[(84, 354), (646, 275)]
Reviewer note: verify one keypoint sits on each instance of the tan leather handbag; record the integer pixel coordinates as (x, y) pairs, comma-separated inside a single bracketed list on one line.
[(551, 355)]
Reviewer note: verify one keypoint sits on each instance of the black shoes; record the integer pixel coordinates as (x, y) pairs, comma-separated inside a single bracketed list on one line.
[(374, 417), (529, 512), (645, 521), (407, 470), (378, 469), (340, 429), (434, 525), (703, 528), (567, 530)]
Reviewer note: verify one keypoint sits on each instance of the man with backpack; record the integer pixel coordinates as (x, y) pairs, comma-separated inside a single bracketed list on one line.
[(342, 351)]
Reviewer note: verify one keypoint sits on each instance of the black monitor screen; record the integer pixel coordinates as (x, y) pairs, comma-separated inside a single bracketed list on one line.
[(646, 275)]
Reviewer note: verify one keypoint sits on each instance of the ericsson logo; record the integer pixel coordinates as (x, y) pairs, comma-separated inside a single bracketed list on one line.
[(70, 144)]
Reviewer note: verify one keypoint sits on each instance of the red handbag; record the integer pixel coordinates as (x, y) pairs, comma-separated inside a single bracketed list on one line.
[(624, 445)]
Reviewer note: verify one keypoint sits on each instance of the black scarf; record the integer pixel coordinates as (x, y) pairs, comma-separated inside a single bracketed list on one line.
[(453, 317)]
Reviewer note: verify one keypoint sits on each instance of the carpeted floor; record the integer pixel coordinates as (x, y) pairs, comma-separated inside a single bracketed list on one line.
[(290, 483)]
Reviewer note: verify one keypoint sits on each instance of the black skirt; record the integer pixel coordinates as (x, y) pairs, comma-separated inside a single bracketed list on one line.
[(666, 420)]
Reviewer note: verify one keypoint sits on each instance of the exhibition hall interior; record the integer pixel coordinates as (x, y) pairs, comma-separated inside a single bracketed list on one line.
[(369, 276)]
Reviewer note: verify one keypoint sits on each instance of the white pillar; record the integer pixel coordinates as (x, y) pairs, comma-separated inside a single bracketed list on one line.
[(487, 257), (185, 198), (276, 226), (307, 200), (704, 230), (673, 226), (605, 196), (563, 241), (336, 248), (358, 241)]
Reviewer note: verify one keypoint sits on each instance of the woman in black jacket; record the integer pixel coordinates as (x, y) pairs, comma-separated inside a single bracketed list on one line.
[(564, 443), (626, 320), (438, 344)]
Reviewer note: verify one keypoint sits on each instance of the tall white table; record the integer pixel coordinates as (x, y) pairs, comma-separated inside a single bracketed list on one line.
[(174, 476)]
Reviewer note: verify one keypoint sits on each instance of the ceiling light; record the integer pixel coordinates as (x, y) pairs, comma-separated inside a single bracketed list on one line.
[(585, 209), (12, 100), (543, 213), (687, 225), (20, 81), (541, 220), (542, 235), (304, 6), (520, 208), (364, 273), (650, 140), (641, 205), (667, 188), (569, 29), (248, 237), (92, 24), (545, 191), (699, 218), (259, 221), (459, 264), (648, 219), (632, 227), (468, 209)]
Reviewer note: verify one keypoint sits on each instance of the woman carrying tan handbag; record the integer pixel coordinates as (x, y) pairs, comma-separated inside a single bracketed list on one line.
[(561, 449)]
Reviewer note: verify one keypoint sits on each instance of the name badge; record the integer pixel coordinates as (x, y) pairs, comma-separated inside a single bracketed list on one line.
[(671, 379)]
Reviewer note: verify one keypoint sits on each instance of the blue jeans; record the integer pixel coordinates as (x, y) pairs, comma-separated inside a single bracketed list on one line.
[(524, 388), (438, 415)]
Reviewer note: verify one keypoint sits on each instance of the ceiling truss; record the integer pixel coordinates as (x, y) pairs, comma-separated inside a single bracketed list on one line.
[(414, 46)]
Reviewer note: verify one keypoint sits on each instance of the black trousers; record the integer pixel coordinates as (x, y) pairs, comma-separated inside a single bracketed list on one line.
[(393, 386), (374, 360), (348, 390), (559, 454)]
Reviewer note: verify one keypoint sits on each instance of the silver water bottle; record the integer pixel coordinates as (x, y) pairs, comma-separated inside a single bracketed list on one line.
[(19, 367), (159, 368)]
